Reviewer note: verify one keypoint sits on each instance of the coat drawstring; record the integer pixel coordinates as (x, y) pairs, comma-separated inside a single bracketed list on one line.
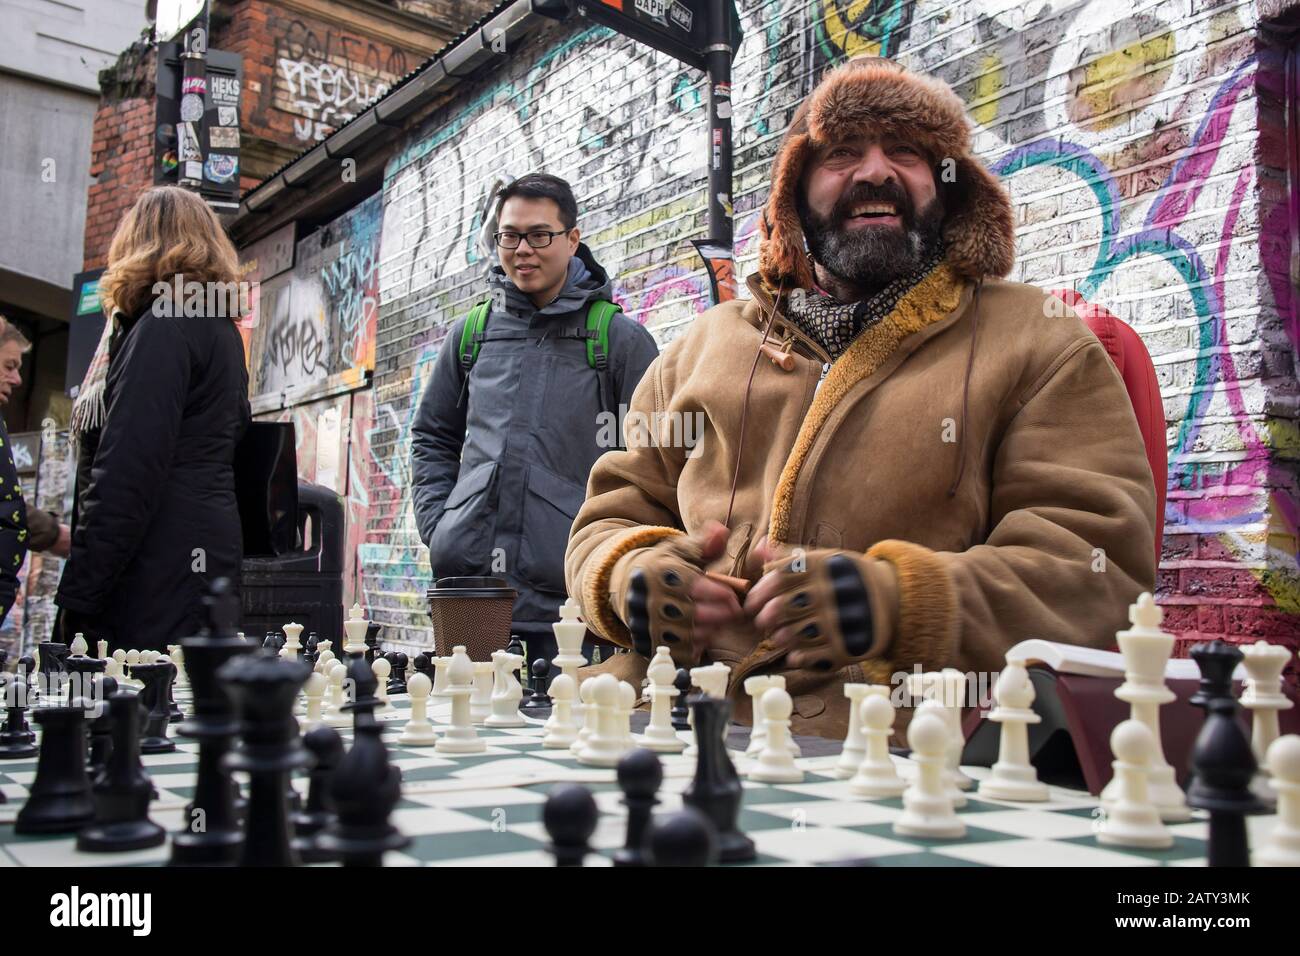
[(744, 408), (965, 394)]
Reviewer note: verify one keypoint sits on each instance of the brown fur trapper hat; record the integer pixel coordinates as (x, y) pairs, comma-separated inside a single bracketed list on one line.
[(877, 95)]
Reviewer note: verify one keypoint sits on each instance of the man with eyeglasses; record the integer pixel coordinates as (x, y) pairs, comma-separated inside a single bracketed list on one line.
[(520, 406)]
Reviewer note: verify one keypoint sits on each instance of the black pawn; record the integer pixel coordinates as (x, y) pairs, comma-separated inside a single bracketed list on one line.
[(685, 838), (17, 739), (569, 816), (716, 791), (365, 788), (263, 688), (397, 679), (101, 727), (639, 776), (174, 714), (211, 834), (423, 665), (153, 698), (122, 792), (1222, 760), (539, 699), (326, 747), (60, 800), (269, 643), (680, 709)]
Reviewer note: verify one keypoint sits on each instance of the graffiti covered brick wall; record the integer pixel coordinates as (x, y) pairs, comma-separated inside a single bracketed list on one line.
[(317, 321), (1136, 141)]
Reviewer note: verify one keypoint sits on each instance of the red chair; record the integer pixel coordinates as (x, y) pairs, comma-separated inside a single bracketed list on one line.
[(1129, 353)]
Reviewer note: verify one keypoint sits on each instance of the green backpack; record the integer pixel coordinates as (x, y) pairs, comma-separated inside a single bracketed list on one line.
[(596, 335)]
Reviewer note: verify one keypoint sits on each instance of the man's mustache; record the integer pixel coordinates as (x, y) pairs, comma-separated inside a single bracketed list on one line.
[(864, 193)]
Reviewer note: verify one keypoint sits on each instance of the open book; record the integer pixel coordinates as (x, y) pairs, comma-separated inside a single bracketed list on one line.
[(1072, 659)]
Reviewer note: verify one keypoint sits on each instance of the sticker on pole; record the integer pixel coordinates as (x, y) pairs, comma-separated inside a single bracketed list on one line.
[(680, 17), (191, 107), (657, 9)]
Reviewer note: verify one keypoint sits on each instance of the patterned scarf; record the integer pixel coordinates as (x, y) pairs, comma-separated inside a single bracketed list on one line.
[(834, 324), (88, 409)]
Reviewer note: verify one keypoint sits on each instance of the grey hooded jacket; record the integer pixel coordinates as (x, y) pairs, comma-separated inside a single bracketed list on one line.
[(499, 464)]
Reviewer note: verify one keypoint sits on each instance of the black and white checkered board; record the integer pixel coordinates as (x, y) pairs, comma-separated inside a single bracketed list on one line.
[(485, 810)]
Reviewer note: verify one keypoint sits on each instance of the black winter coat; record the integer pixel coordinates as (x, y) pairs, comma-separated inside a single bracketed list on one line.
[(155, 518)]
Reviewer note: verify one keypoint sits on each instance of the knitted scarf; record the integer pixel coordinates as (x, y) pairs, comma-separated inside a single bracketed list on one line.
[(88, 409), (834, 324)]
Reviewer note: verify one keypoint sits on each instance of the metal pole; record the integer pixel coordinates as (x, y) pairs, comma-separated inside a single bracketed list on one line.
[(193, 104), (718, 54)]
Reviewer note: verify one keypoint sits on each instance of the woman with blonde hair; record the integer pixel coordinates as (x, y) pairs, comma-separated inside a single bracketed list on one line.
[(157, 419)]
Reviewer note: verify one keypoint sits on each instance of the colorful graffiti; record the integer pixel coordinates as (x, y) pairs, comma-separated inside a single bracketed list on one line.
[(1123, 148), (317, 321)]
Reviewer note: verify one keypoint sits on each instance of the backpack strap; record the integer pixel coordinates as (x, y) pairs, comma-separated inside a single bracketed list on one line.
[(598, 318), (471, 334)]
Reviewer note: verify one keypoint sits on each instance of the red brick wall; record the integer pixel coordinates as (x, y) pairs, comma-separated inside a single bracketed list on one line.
[(121, 162), (302, 78)]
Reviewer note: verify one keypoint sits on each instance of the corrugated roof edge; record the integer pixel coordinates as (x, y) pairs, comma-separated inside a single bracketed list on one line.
[(469, 32)]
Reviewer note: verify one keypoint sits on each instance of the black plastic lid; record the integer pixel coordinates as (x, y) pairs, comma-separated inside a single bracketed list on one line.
[(470, 587)]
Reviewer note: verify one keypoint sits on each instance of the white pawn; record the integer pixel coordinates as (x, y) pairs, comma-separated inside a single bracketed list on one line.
[(936, 709), (1264, 699), (778, 680), (323, 661), (480, 701), (314, 690), (660, 736), (178, 658), (506, 691), (1014, 777), (587, 711), (335, 715), (132, 658), (418, 732), (1132, 819), (460, 737), (440, 665), (381, 669), (855, 743), (116, 663), (775, 765), (561, 728), (928, 802), (606, 744), (1282, 848), (876, 775)]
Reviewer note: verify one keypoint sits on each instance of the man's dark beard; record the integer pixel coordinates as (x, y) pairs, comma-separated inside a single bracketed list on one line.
[(874, 255)]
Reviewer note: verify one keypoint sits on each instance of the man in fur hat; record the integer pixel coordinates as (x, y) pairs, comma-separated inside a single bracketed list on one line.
[(917, 463)]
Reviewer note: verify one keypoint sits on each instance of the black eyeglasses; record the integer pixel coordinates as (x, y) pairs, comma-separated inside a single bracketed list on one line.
[(538, 239)]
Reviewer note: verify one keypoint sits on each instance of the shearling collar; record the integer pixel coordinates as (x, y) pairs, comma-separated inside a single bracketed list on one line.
[(875, 94)]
